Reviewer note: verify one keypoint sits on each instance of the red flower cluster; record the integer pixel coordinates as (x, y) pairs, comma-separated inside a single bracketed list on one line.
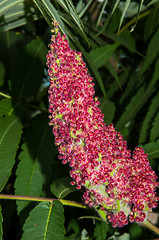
[(114, 183)]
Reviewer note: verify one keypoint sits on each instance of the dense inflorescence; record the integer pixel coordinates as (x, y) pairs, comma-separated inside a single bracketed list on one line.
[(113, 182)]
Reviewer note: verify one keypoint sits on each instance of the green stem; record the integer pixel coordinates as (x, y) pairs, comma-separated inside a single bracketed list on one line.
[(30, 105), (132, 22), (151, 226), (41, 199), (5, 95), (37, 108)]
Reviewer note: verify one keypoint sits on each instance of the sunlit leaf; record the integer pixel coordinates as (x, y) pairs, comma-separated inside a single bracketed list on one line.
[(133, 9), (125, 236), (152, 2), (84, 234), (115, 6), (16, 13), (63, 5), (49, 12), (45, 221), (124, 12), (102, 11), (17, 23), (141, 8), (76, 18), (84, 9), (116, 235)]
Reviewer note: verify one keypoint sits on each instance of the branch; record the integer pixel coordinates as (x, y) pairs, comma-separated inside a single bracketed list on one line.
[(41, 199)]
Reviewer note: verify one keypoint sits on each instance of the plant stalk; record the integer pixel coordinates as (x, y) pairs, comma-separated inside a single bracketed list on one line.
[(151, 226), (41, 199)]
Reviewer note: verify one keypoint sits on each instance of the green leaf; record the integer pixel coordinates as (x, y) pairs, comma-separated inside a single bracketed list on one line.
[(112, 70), (124, 12), (27, 72), (93, 68), (100, 230), (38, 152), (61, 187), (17, 23), (132, 108), (10, 133), (115, 6), (155, 129), (49, 12), (139, 99), (108, 109), (6, 107), (115, 86), (100, 55), (135, 231), (140, 8), (102, 11), (79, 7), (12, 44), (16, 13), (63, 5), (152, 149), (126, 35), (74, 228), (155, 76), (121, 39), (152, 2), (45, 221), (117, 236), (152, 52), (2, 73), (84, 234), (72, 11), (129, 88), (133, 8), (1, 222), (9, 106), (151, 23), (147, 120), (125, 236), (30, 178)]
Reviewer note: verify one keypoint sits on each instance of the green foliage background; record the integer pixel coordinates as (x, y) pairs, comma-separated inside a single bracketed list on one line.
[(119, 41)]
